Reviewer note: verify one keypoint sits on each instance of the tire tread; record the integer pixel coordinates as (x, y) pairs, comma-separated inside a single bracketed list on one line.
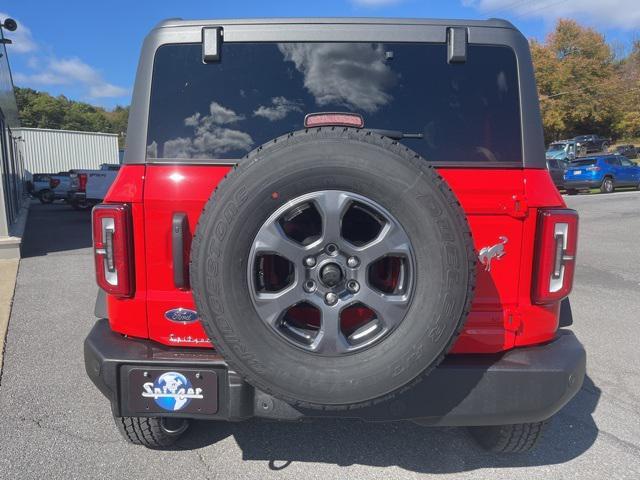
[(146, 431)]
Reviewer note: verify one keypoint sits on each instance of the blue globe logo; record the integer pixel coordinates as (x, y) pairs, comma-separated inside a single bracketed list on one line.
[(173, 388)]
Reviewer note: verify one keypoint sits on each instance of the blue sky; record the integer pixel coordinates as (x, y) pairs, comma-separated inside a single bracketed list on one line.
[(89, 50)]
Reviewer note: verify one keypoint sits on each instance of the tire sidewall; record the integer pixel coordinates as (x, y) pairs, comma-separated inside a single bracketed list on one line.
[(410, 191)]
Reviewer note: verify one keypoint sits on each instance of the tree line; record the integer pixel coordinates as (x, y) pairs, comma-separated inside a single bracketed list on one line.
[(41, 110), (584, 87)]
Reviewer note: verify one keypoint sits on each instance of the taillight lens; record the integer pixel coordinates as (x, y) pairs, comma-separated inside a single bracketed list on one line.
[(333, 119), (556, 243), (112, 243), (54, 182), (82, 182)]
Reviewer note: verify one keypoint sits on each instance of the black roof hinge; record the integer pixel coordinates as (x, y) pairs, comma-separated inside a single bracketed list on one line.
[(456, 45), (211, 44)]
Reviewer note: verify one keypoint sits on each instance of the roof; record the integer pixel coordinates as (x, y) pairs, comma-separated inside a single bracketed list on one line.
[(491, 22)]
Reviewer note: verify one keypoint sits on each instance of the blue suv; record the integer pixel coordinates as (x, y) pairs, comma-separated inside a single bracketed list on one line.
[(606, 172)]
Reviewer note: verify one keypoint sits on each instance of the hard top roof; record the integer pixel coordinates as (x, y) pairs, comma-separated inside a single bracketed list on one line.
[(491, 22)]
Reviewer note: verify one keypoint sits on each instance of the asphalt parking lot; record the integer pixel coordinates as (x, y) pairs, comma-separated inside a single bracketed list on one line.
[(55, 424)]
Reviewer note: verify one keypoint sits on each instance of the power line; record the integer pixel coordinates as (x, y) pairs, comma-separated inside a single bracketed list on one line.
[(539, 8), (507, 7)]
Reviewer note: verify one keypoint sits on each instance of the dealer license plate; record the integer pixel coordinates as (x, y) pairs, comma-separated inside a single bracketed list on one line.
[(158, 390)]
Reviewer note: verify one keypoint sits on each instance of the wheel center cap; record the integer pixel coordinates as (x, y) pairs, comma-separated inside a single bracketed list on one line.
[(331, 274)]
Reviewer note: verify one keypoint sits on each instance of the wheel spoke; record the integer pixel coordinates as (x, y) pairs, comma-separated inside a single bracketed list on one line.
[(391, 241), (330, 339), (390, 309), (271, 305), (332, 206), (272, 239)]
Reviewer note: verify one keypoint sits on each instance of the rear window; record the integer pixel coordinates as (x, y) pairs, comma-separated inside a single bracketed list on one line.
[(258, 91), (584, 163)]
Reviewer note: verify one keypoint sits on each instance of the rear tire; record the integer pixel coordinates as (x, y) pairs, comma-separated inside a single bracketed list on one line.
[(46, 196), (81, 206), (151, 432), (520, 437), (607, 185)]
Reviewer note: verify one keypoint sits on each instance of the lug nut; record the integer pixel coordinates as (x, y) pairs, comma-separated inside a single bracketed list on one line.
[(353, 262), (331, 249), (353, 286), (331, 298), (309, 286), (310, 262)]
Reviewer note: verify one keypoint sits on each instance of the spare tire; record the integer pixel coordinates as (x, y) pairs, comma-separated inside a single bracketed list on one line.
[(333, 267)]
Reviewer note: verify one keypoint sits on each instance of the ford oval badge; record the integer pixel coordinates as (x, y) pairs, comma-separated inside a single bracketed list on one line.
[(181, 315)]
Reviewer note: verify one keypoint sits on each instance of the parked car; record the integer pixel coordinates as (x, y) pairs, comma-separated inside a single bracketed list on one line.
[(276, 245), (606, 172), (628, 151), (593, 143), (89, 187), (556, 170), (564, 150)]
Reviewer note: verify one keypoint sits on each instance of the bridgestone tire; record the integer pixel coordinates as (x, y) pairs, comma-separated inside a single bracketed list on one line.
[(151, 432), (516, 438), (366, 164)]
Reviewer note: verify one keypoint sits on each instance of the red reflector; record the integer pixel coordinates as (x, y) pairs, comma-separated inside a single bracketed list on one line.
[(556, 245), (332, 119), (112, 249)]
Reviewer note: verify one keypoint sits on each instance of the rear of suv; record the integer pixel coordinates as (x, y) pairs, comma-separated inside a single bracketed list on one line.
[(335, 218)]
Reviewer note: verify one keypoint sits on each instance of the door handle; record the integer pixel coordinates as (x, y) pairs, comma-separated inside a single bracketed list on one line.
[(179, 234)]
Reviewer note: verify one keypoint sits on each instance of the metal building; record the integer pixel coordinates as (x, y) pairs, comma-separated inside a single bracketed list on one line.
[(12, 198), (53, 151)]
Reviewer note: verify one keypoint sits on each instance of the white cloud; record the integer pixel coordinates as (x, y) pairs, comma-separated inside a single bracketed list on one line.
[(355, 75), (68, 71), (210, 138), (22, 39), (280, 107), (221, 115), (623, 14)]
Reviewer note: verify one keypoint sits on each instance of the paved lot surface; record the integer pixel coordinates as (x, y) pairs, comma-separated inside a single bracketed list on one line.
[(55, 424), (8, 273)]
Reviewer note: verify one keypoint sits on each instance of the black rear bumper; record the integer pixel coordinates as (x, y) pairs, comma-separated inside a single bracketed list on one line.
[(523, 385)]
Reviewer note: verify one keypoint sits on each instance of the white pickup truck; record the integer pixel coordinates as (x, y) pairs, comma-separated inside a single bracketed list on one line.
[(89, 187)]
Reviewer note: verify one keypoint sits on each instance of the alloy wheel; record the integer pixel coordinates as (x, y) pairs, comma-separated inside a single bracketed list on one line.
[(331, 272)]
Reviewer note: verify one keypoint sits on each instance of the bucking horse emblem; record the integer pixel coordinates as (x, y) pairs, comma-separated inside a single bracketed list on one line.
[(496, 251)]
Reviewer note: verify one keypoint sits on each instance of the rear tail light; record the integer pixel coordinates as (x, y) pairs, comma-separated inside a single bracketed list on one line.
[(331, 119), (54, 182), (82, 182), (112, 243), (556, 243)]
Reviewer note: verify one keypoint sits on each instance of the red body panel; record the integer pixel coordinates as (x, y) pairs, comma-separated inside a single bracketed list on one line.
[(498, 203)]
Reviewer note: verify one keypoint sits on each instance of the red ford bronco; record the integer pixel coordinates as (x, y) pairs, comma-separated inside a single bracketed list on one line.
[(335, 218)]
